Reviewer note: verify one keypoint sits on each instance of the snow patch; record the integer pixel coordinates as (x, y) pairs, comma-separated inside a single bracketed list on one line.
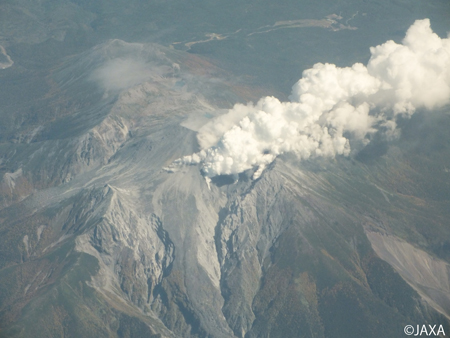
[(10, 178)]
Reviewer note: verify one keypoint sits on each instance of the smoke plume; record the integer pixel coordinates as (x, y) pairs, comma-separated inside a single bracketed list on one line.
[(331, 108)]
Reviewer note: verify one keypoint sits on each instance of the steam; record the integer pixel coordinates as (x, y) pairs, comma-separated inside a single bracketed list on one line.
[(122, 73), (331, 108)]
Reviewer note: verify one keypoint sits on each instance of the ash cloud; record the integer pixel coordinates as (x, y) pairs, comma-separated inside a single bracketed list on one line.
[(331, 109)]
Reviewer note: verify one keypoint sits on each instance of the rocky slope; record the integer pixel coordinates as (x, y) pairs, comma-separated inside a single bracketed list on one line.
[(97, 240)]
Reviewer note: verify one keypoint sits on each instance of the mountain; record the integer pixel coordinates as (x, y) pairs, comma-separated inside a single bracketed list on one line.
[(99, 239)]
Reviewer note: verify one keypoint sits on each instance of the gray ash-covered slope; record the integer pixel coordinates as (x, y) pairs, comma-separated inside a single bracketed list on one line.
[(82, 182), (97, 240)]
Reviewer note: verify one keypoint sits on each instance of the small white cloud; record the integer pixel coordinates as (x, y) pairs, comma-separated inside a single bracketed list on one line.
[(122, 73)]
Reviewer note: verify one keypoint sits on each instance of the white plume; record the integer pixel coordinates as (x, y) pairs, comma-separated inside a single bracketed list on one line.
[(329, 106)]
